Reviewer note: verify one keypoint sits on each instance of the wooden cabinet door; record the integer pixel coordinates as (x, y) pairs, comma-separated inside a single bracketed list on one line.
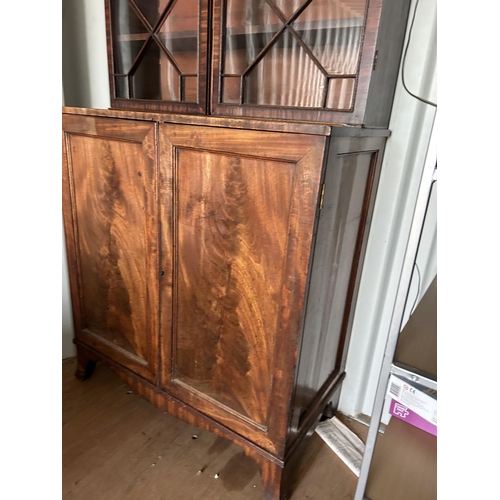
[(237, 215), (293, 60), (157, 54), (110, 220)]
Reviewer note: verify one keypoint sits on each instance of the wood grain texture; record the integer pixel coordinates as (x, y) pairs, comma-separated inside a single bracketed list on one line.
[(85, 365), (110, 216), (232, 222), (175, 407), (245, 204), (220, 122), (190, 248)]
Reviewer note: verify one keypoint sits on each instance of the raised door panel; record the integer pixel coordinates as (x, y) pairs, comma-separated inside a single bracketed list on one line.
[(111, 231), (240, 237), (230, 268)]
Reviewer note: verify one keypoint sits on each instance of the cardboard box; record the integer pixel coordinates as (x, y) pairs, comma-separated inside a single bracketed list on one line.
[(415, 404)]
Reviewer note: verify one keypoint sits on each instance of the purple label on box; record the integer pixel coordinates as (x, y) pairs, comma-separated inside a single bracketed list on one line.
[(402, 412)]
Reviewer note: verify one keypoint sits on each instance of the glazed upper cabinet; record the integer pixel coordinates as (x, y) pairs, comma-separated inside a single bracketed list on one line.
[(157, 53), (331, 61)]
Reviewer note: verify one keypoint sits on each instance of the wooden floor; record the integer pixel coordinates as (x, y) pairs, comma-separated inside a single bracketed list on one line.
[(117, 446)]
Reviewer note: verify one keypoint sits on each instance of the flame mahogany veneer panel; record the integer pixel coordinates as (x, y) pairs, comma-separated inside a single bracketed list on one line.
[(111, 170), (232, 237)]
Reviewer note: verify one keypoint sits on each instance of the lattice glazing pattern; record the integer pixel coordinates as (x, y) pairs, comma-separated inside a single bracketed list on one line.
[(293, 53), (156, 55)]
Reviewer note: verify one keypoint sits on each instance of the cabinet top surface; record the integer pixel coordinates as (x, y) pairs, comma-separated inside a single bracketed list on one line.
[(243, 123)]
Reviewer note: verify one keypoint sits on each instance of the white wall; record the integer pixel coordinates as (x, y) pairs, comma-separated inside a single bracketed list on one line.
[(411, 123), (84, 54), (86, 84), (68, 348)]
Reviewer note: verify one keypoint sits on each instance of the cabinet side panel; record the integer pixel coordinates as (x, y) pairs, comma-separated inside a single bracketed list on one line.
[(334, 272), (233, 216), (389, 49)]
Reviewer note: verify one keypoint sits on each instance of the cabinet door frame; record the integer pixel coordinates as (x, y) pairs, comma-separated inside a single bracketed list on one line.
[(157, 105), (307, 154), (364, 73), (142, 134)]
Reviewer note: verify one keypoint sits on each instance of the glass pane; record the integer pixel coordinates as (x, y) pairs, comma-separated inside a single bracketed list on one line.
[(155, 77), (340, 93), (170, 80), (191, 89), (286, 76), (179, 33), (333, 30), (125, 54), (250, 25), (145, 81), (231, 89), (150, 10), (288, 7), (121, 86), (183, 17), (130, 35), (125, 20)]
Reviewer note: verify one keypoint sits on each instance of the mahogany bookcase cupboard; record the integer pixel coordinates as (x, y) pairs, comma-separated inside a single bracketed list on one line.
[(216, 217)]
